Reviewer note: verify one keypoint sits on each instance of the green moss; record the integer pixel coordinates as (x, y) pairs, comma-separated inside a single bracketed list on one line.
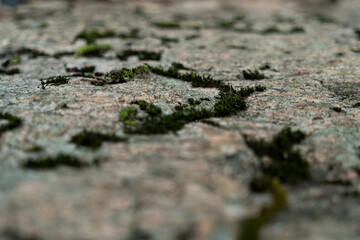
[(12, 122), (324, 19), (85, 69), (355, 50), (171, 25), (260, 88), (54, 81), (92, 50), (357, 33), (149, 108), (128, 114), (251, 227), (270, 30), (193, 102), (54, 162), (297, 29), (35, 148), (124, 74), (167, 40), (15, 60), (286, 164), (337, 109), (253, 75), (90, 36), (179, 66), (356, 105), (11, 71), (93, 140), (226, 24), (229, 103), (142, 55)]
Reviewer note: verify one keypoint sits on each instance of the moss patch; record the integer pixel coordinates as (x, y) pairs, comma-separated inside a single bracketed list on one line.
[(93, 140), (90, 36), (54, 162), (92, 50), (12, 122), (11, 71), (286, 164), (54, 81), (229, 101), (253, 75)]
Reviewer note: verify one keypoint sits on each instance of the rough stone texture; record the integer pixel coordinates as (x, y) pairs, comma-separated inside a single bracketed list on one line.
[(192, 184)]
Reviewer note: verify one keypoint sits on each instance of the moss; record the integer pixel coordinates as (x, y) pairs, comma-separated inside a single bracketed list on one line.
[(324, 19), (337, 109), (93, 140), (193, 102), (270, 30), (179, 66), (286, 164), (251, 227), (53, 162), (357, 33), (90, 36), (297, 29), (142, 55), (11, 71), (171, 25), (211, 123), (167, 40), (226, 24), (32, 53), (12, 122), (260, 88), (149, 108), (355, 50), (92, 50), (253, 75), (229, 102), (54, 81), (124, 74), (192, 37), (356, 105), (128, 114), (35, 148)]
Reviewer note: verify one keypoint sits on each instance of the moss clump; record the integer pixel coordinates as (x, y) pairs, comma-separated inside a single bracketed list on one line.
[(92, 50), (93, 140), (90, 36), (337, 109), (167, 40), (124, 74), (172, 25), (54, 81), (149, 108), (179, 66), (355, 50), (271, 30), (128, 116), (297, 29), (251, 227), (11, 71), (54, 162), (194, 102), (253, 75), (286, 164), (356, 105), (357, 32), (229, 102), (12, 122), (141, 54)]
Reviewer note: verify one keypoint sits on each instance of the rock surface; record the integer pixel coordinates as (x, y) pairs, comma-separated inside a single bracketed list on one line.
[(192, 184)]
